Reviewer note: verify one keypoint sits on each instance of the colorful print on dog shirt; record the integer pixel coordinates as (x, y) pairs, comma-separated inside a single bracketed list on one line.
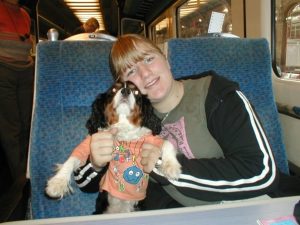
[(133, 175), (125, 178)]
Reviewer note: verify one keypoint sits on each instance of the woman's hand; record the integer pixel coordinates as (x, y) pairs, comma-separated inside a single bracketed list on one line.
[(102, 144), (150, 155)]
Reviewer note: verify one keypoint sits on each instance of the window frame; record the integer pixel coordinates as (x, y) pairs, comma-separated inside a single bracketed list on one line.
[(274, 50)]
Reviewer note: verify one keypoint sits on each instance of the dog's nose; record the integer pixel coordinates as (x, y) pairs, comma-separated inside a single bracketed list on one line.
[(125, 91)]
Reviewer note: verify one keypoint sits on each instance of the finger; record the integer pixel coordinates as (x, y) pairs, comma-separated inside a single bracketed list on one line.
[(106, 158), (153, 153), (147, 149), (148, 146), (151, 147), (145, 153), (113, 131), (104, 151), (148, 163), (148, 167), (99, 163), (103, 134), (104, 143), (144, 161)]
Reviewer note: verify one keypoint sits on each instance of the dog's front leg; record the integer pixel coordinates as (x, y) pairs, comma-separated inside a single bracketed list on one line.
[(170, 166), (60, 184)]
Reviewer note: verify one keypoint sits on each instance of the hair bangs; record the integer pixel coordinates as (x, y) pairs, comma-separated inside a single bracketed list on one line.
[(128, 50)]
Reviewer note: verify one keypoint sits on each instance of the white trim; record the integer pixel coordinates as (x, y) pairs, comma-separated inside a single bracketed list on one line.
[(88, 179), (83, 171)]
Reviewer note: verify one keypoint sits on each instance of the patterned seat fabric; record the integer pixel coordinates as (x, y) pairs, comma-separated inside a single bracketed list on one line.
[(246, 61), (69, 75)]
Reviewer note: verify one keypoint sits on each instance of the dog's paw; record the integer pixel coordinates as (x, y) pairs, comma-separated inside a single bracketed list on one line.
[(58, 187), (171, 169)]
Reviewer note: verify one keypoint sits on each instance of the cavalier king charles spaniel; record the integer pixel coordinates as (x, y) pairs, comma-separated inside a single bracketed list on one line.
[(124, 182)]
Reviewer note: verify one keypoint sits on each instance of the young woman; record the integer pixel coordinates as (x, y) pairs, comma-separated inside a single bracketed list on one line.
[(220, 143)]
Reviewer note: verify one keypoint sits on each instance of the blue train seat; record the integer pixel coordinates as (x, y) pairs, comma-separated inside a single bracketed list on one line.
[(69, 74), (246, 61)]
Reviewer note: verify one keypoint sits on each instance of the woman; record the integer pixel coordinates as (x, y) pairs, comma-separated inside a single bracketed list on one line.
[(223, 153)]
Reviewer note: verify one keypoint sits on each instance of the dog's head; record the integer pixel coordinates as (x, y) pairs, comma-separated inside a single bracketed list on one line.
[(122, 101)]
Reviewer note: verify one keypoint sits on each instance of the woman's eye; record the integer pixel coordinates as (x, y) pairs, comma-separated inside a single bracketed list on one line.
[(131, 72), (148, 60)]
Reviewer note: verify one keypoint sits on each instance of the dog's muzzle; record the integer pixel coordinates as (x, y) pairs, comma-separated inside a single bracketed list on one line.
[(125, 91)]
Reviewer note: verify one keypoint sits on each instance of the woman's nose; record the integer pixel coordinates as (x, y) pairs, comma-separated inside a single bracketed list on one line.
[(144, 70)]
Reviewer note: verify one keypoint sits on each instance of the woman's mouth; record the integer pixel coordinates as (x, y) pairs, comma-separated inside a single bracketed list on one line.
[(151, 83)]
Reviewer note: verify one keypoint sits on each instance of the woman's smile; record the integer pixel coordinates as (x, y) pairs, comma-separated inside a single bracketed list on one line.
[(152, 83)]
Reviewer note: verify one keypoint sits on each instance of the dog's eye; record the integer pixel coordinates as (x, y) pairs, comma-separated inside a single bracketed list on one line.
[(131, 86), (118, 84), (114, 90), (136, 92)]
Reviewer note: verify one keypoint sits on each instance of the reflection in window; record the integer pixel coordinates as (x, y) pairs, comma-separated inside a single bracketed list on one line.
[(161, 32), (288, 38), (194, 17), (293, 23)]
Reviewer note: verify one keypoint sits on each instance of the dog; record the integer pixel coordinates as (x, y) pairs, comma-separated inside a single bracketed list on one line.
[(124, 182)]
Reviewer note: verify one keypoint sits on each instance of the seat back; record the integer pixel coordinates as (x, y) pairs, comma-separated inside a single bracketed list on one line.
[(246, 61), (69, 75)]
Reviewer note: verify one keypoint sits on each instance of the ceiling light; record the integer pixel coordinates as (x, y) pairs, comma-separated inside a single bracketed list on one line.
[(85, 9)]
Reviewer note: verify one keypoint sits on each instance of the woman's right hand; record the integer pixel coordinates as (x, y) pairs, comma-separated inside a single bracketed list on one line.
[(102, 144)]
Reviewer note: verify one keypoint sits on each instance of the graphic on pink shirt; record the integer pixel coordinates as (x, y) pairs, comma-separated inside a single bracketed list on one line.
[(175, 133), (125, 178)]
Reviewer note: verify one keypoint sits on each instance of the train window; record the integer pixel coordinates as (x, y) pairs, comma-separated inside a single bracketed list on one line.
[(287, 38), (161, 31), (194, 17)]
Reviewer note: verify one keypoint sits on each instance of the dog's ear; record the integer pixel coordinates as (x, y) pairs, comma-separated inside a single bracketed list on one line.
[(97, 118), (149, 119)]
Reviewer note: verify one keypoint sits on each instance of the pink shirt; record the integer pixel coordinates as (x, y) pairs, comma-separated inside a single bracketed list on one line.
[(125, 178)]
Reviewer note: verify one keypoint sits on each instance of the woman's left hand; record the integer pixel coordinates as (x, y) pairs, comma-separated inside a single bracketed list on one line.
[(150, 155)]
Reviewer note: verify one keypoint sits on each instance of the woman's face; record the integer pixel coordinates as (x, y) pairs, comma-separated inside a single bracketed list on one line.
[(152, 76)]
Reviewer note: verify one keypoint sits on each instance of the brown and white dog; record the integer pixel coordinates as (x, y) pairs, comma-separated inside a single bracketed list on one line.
[(124, 182)]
